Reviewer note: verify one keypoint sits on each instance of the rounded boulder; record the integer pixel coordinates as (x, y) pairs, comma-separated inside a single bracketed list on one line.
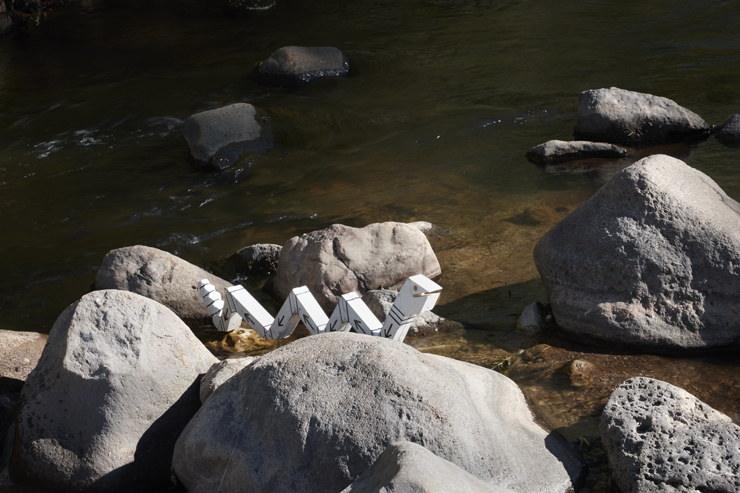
[(316, 414), (650, 261), (116, 384), (342, 259)]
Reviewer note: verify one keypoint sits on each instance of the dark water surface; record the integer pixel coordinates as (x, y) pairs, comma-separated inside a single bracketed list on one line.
[(443, 100)]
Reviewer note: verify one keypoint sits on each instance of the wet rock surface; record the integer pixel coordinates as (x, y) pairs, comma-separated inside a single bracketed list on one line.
[(649, 261), (261, 258), (219, 137), (621, 116), (342, 259), (729, 134), (661, 438), (160, 276), (248, 5), (328, 422), (220, 372), (292, 66), (556, 151), (380, 302), (407, 466), (115, 386)]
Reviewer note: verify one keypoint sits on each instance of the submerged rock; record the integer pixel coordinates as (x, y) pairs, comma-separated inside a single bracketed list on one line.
[(160, 276), (380, 302), (730, 132), (555, 151), (292, 66), (650, 261), (661, 438), (115, 386), (219, 137), (316, 414), (341, 259), (617, 115), (261, 258), (409, 467)]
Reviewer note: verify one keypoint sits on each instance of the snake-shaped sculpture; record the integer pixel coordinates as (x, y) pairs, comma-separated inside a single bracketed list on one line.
[(417, 294)]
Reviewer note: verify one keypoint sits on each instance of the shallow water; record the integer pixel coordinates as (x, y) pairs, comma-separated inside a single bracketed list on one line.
[(443, 100)]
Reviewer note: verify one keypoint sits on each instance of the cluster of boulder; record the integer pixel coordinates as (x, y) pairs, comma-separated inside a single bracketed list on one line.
[(124, 394), (219, 137), (611, 121)]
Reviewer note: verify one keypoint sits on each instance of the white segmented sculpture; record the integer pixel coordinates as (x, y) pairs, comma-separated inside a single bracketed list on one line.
[(418, 294)]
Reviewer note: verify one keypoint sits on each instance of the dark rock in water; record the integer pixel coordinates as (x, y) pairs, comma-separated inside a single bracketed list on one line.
[(161, 276), (219, 137), (291, 66), (115, 386), (650, 261), (380, 302), (341, 259), (409, 467), (261, 258), (316, 414), (5, 21), (661, 438), (730, 132), (252, 4), (555, 151), (617, 115)]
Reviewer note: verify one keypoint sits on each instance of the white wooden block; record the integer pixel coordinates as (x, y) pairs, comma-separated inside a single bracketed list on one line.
[(287, 319), (360, 316), (309, 311), (203, 282), (206, 289), (215, 307), (250, 310)]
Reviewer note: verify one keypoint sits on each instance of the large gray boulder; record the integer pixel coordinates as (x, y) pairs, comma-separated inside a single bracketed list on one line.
[(292, 66), (219, 137), (115, 386), (649, 261), (617, 115), (729, 134), (160, 276), (316, 414), (659, 437), (341, 259), (555, 151), (380, 302), (406, 467)]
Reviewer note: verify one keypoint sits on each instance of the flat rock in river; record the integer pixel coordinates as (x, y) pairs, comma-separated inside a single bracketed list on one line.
[(116, 384), (406, 467), (652, 261), (219, 137), (291, 66), (661, 438), (341, 259), (620, 116), (555, 151), (160, 276), (317, 413)]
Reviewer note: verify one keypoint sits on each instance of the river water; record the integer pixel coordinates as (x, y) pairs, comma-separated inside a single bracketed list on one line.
[(443, 100)]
